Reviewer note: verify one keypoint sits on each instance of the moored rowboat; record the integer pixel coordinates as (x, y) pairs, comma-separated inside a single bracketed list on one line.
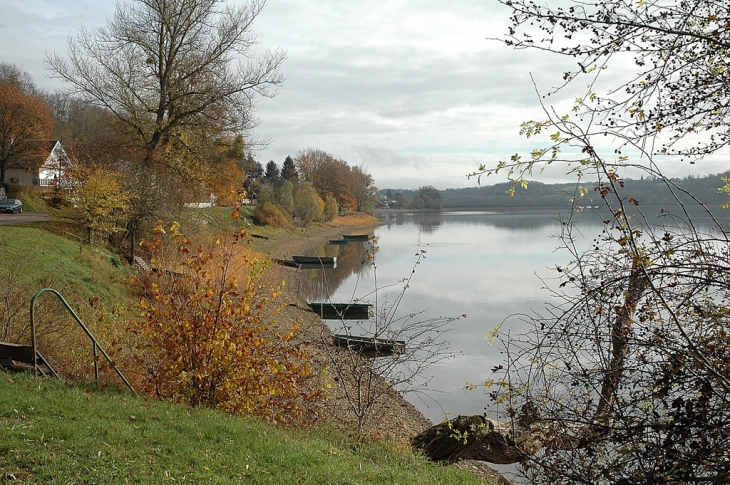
[(344, 311), (323, 260), (356, 237), (370, 345)]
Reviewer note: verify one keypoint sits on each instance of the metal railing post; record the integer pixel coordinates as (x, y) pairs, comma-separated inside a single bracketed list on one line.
[(81, 324), (96, 360)]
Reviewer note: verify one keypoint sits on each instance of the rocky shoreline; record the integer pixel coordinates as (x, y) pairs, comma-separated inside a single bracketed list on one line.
[(397, 419), (394, 419)]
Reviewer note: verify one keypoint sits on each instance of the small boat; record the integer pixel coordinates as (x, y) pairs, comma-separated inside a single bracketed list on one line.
[(356, 237), (296, 264), (370, 345), (341, 311), (339, 241), (317, 265), (319, 260), (287, 262)]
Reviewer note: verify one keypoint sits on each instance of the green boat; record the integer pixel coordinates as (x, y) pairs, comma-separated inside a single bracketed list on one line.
[(370, 345), (341, 311), (339, 241), (356, 237), (320, 260)]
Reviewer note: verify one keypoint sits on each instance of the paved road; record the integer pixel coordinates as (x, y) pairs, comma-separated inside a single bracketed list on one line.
[(6, 219)]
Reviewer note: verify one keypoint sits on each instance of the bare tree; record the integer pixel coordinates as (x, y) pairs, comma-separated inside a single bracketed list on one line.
[(404, 346), (623, 377), (178, 74), (680, 53), (12, 75), (165, 67), (364, 190)]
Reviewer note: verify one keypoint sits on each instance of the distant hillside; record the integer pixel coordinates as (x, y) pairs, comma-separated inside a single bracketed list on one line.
[(538, 194)]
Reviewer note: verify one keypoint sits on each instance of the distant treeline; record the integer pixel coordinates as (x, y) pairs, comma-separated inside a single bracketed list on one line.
[(646, 191), (425, 198)]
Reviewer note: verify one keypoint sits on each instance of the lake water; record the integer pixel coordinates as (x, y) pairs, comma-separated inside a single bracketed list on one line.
[(490, 266)]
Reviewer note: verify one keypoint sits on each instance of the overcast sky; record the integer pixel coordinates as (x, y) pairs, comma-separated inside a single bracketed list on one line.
[(411, 89)]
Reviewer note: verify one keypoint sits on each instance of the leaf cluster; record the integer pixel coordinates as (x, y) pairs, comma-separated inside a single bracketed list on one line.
[(679, 50), (352, 187), (24, 120)]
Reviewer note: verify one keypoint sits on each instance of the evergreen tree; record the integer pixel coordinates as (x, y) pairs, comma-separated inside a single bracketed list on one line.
[(289, 170), (272, 175)]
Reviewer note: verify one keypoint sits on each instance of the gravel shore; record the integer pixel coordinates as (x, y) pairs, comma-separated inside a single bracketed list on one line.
[(394, 418)]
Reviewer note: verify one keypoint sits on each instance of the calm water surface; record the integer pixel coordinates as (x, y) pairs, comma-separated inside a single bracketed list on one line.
[(487, 265)]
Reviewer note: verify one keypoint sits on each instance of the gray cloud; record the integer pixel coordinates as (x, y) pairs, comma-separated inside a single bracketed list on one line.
[(413, 90)]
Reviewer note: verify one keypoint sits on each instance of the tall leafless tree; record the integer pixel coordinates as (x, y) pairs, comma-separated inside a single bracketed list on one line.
[(167, 66), (177, 74)]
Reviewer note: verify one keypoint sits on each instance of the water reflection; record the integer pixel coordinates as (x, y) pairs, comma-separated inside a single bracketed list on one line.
[(428, 221), (317, 285), (493, 266), (483, 264)]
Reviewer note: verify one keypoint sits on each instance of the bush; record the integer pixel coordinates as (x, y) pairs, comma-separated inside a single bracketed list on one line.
[(265, 194), (309, 205), (330, 208), (268, 214), (285, 196), (203, 339)]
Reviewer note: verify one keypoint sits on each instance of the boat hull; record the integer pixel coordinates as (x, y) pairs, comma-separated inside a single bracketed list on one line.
[(370, 345), (356, 237), (323, 260), (341, 311)]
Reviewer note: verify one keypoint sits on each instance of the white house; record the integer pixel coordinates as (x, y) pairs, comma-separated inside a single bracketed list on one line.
[(50, 173)]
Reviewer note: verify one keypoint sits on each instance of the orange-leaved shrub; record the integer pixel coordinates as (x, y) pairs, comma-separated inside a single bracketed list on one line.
[(268, 214), (208, 336)]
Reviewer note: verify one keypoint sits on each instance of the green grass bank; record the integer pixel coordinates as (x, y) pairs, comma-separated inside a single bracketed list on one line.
[(53, 431), (56, 432)]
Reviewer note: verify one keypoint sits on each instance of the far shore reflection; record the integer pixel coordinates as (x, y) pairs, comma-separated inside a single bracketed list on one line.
[(492, 266)]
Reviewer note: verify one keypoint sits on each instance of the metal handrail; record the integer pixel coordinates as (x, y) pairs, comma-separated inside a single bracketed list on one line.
[(95, 344)]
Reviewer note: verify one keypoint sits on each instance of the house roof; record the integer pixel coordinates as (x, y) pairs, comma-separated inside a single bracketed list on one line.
[(39, 152)]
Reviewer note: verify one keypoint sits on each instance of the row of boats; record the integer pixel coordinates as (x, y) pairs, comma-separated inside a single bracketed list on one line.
[(322, 262), (367, 345)]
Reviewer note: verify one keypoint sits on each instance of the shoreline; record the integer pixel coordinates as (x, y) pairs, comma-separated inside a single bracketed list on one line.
[(395, 419)]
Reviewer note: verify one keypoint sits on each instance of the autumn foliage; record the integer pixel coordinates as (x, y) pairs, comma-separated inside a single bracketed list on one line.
[(101, 204), (208, 336), (24, 121)]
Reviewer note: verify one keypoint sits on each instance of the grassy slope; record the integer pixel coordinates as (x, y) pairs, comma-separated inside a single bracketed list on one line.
[(58, 433), (78, 271)]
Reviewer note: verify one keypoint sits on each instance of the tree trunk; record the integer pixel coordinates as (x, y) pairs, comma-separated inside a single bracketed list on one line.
[(478, 438), (620, 332), (131, 246)]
